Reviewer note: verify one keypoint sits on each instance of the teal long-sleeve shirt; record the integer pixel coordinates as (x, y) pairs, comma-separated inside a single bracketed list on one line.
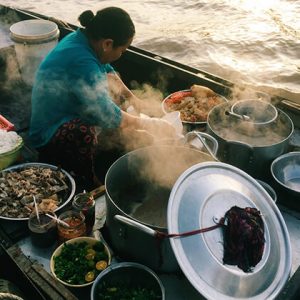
[(71, 83)]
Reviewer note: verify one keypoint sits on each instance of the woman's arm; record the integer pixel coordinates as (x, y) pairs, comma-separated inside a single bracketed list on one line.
[(158, 128), (125, 98)]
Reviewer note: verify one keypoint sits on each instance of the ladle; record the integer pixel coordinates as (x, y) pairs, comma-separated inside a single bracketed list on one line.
[(241, 117)]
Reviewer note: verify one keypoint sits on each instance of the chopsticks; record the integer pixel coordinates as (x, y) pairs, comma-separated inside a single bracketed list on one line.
[(36, 209), (58, 220)]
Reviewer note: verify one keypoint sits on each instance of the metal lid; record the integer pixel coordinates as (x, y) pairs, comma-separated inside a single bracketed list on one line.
[(201, 196)]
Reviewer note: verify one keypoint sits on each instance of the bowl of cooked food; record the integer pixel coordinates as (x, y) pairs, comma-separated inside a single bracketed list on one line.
[(77, 262), (127, 281), (194, 104), (51, 187), (11, 145)]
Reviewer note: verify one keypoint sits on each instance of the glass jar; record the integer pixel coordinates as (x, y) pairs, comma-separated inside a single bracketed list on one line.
[(43, 231), (76, 225), (85, 203)]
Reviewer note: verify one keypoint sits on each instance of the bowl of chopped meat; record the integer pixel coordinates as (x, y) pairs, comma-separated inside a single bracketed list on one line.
[(51, 186), (194, 104)]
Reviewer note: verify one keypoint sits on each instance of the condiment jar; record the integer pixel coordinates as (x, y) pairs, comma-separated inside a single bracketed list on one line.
[(43, 230), (76, 225), (85, 203)]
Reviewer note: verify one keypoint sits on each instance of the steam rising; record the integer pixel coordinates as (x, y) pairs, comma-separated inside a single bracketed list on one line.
[(244, 92), (162, 165), (152, 98), (151, 173), (15, 95), (149, 106)]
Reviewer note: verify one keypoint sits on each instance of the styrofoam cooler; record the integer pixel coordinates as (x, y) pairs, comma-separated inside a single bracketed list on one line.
[(33, 41)]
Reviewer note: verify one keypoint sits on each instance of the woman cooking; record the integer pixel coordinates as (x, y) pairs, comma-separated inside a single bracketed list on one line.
[(77, 119)]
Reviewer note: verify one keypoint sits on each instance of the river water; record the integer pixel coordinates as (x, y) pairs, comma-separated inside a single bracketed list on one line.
[(246, 41)]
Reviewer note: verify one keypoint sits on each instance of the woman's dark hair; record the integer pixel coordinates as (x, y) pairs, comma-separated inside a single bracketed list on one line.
[(109, 23)]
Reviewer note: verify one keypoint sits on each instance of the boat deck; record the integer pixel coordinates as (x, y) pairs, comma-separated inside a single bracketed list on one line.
[(176, 285)]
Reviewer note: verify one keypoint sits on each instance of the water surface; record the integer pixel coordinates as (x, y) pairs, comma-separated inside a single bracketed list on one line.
[(246, 41)]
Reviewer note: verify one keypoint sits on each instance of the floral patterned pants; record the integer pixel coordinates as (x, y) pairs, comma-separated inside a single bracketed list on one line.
[(74, 147)]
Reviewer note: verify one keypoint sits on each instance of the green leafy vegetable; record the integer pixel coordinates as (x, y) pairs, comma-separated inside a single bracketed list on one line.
[(72, 265)]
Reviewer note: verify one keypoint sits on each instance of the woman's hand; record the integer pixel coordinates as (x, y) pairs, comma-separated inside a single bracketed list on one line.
[(159, 128), (140, 132)]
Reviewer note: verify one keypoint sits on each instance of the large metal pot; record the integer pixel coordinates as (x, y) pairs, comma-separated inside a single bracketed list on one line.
[(250, 147), (138, 186)]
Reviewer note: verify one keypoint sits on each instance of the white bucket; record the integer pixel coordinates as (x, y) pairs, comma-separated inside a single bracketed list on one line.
[(33, 40)]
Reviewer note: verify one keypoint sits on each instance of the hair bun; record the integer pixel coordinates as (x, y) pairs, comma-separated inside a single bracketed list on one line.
[(86, 17)]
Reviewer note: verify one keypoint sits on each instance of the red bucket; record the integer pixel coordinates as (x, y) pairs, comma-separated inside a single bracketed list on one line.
[(5, 124)]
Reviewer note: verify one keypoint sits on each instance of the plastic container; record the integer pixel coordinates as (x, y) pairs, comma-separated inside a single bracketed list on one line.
[(5, 124), (33, 40), (76, 228), (10, 157), (85, 203), (174, 119), (43, 231)]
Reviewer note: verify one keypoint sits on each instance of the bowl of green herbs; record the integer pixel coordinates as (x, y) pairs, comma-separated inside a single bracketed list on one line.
[(127, 281), (77, 262)]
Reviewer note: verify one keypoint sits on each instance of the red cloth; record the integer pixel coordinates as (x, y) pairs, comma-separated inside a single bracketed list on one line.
[(243, 237)]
